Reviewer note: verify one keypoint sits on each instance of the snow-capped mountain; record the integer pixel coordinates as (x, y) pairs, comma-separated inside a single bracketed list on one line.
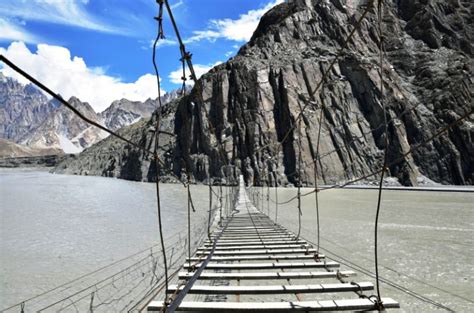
[(29, 118)]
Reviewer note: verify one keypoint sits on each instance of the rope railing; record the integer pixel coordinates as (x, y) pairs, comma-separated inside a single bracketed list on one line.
[(385, 153), (115, 279)]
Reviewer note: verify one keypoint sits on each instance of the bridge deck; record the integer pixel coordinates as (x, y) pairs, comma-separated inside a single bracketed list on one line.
[(256, 265)]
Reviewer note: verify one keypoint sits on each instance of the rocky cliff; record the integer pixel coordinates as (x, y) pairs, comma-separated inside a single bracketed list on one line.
[(253, 99), (124, 112), (42, 126), (10, 149), (22, 108), (63, 129)]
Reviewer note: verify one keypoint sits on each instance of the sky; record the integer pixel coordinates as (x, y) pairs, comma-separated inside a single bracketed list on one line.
[(101, 50)]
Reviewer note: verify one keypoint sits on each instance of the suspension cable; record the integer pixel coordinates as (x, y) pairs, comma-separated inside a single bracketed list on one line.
[(299, 180), (315, 163), (159, 36), (385, 154)]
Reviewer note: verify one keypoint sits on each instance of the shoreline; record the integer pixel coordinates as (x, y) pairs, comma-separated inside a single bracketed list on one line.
[(438, 188), (433, 188)]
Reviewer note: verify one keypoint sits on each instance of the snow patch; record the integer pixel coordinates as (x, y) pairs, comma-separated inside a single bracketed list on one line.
[(67, 145)]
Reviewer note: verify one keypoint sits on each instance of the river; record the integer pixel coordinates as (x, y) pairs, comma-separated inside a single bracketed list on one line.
[(55, 228)]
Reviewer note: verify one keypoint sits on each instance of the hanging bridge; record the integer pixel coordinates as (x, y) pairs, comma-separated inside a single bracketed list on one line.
[(250, 257), (249, 262)]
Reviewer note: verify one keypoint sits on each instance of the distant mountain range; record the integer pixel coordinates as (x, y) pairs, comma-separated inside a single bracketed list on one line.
[(32, 124)]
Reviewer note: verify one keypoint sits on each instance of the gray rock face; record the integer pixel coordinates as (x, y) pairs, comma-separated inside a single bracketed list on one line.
[(112, 158), (63, 129), (28, 118), (124, 112), (22, 108), (9, 149), (253, 99)]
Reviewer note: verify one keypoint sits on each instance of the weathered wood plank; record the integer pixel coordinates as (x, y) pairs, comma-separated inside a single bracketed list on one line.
[(274, 289), (268, 251), (242, 266), (269, 275), (268, 307), (261, 257), (261, 246), (254, 243)]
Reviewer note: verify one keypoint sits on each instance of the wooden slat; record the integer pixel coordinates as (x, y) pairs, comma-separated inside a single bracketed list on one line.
[(261, 257), (274, 289), (268, 307), (252, 228), (243, 266), (223, 238), (255, 233), (269, 275), (243, 241), (251, 247), (268, 251), (254, 243)]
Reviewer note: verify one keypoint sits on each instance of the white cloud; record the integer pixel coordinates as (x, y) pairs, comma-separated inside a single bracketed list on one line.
[(200, 69), (177, 4), (240, 29), (9, 31), (70, 76), (65, 12)]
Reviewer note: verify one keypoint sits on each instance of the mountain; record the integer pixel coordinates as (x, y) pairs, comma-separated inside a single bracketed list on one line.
[(63, 129), (112, 158), (125, 112), (10, 149), (254, 99), (30, 119), (22, 107)]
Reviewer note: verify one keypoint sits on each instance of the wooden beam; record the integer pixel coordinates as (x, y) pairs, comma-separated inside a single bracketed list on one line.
[(260, 257), (268, 275), (243, 266), (253, 252), (274, 289), (252, 247), (268, 307), (254, 243)]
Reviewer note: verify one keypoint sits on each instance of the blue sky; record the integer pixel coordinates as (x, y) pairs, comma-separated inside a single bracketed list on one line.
[(100, 50)]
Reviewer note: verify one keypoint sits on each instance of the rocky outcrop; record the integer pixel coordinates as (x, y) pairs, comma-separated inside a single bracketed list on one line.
[(22, 108), (124, 112), (28, 118), (64, 130), (112, 158), (253, 100), (32, 161), (10, 149)]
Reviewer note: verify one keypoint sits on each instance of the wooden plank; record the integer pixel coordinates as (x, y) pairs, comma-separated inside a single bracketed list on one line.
[(274, 289), (260, 257), (268, 275), (261, 232), (256, 227), (254, 243), (224, 238), (243, 266), (250, 247), (253, 252), (268, 307), (243, 239)]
